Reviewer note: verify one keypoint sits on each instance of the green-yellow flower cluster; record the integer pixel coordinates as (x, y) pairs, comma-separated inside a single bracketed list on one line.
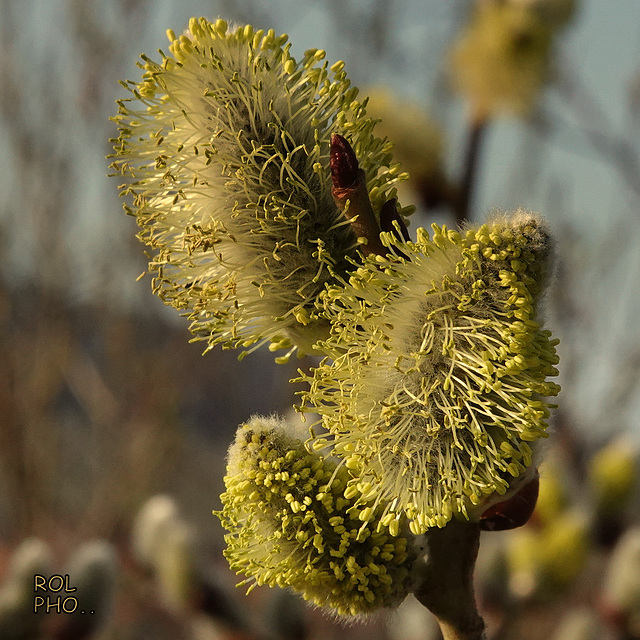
[(613, 476), (225, 144), (501, 60), (549, 558), (292, 522), (255, 178), (437, 372)]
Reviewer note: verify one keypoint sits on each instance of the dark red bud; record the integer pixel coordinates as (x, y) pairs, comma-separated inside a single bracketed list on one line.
[(515, 511), (344, 164), (388, 215)]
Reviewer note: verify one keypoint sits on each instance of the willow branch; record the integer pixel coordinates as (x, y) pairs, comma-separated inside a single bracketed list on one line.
[(477, 128), (446, 588)]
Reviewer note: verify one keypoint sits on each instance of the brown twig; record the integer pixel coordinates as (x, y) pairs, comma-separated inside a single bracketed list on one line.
[(462, 206), (446, 588), (597, 127)]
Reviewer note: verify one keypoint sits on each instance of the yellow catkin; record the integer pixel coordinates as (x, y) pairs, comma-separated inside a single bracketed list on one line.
[(443, 368), (308, 537)]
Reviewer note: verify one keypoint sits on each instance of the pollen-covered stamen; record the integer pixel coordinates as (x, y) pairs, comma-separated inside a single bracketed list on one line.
[(391, 222), (226, 145), (437, 381), (349, 192), (292, 521)]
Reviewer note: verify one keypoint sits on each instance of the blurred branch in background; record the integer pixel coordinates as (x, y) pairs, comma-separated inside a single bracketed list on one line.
[(592, 124)]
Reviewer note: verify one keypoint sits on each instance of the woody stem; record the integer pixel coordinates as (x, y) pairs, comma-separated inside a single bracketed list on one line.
[(477, 129), (446, 587)]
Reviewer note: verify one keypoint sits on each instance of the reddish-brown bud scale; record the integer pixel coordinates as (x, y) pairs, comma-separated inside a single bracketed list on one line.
[(388, 215), (349, 190), (343, 162), (515, 511)]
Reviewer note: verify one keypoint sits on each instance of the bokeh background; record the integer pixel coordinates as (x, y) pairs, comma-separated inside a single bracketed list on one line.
[(104, 402)]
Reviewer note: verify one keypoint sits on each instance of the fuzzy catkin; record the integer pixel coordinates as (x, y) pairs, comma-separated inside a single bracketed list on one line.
[(225, 145), (437, 371), (291, 524)]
